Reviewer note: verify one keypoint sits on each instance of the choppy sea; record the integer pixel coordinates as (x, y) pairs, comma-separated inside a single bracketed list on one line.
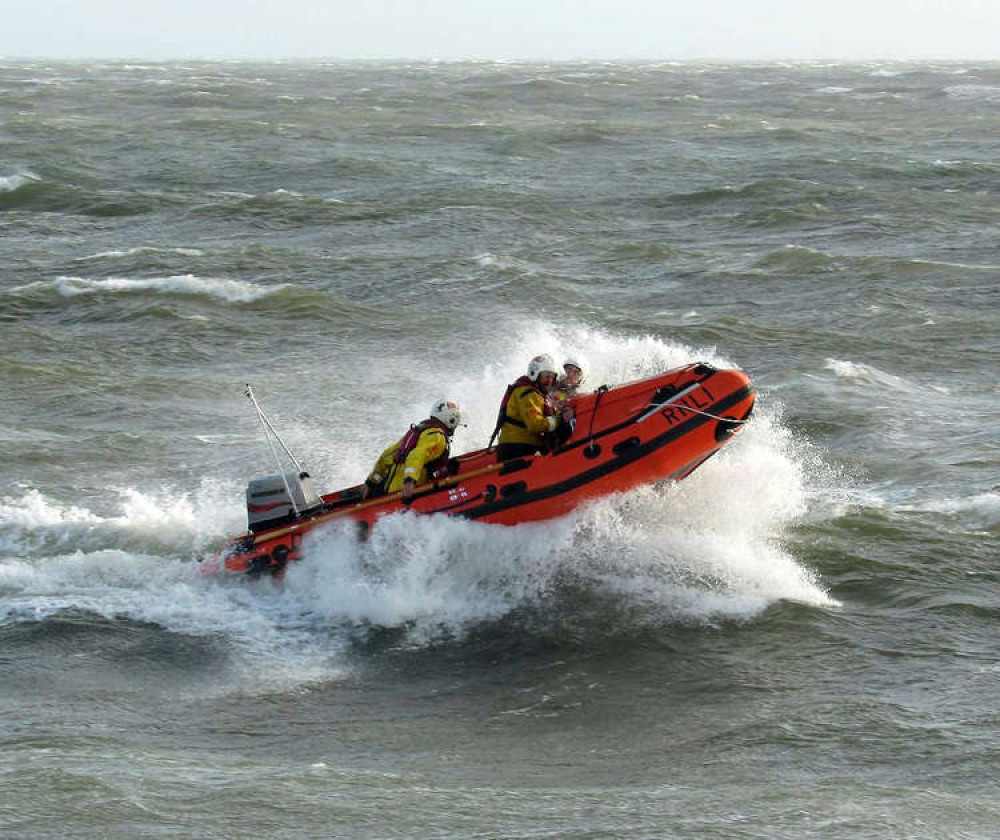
[(800, 640)]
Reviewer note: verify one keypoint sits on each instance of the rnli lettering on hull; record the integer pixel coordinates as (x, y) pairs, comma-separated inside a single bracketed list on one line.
[(673, 409), (674, 412)]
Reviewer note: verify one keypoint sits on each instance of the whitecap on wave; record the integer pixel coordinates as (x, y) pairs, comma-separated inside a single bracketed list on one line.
[(143, 249), (980, 510), (870, 374), (163, 521), (11, 183), (270, 644), (231, 291), (983, 93), (58, 560)]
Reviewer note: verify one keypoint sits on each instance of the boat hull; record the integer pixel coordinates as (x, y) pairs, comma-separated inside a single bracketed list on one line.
[(655, 429)]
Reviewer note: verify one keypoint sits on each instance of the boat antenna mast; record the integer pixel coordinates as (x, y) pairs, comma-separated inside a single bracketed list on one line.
[(269, 432)]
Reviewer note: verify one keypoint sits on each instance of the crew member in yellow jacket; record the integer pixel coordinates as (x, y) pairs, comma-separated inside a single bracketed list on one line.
[(421, 455), (527, 423)]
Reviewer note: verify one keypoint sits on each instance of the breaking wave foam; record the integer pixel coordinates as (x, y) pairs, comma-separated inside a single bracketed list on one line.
[(144, 249), (135, 565), (874, 376), (981, 510), (163, 522), (701, 552), (12, 183), (982, 93), (231, 291)]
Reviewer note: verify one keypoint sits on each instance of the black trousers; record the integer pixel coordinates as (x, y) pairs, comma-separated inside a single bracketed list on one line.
[(506, 451)]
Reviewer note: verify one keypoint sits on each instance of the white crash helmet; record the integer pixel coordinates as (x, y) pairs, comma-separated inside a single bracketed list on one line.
[(573, 360), (541, 364), (448, 412)]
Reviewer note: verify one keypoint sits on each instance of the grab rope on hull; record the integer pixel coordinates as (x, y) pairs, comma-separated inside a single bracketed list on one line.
[(732, 420)]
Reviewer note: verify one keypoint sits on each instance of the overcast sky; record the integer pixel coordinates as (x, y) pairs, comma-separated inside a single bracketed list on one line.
[(501, 29)]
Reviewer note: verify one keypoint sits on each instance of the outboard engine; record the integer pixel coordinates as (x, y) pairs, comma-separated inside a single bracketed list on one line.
[(269, 505)]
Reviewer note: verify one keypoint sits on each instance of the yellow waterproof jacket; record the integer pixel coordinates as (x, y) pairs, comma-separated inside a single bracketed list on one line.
[(430, 451), (525, 420)]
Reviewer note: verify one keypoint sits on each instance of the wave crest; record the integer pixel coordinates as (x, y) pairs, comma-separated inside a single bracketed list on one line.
[(230, 291)]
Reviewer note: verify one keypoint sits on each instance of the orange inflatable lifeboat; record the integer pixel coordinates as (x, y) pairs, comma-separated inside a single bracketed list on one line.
[(659, 428)]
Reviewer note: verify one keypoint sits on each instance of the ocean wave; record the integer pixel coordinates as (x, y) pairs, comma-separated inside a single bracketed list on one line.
[(973, 267), (508, 264), (268, 647), (287, 206), (976, 93), (230, 291), (798, 258), (650, 548), (163, 299), (28, 192), (982, 510), (872, 375), (543, 82), (163, 522), (143, 249), (762, 193), (12, 183), (21, 190)]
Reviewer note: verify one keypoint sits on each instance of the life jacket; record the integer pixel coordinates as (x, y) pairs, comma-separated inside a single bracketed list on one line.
[(502, 415), (408, 442)]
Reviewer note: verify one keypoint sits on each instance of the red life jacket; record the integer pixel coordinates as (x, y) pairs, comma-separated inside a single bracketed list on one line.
[(504, 417), (408, 441)]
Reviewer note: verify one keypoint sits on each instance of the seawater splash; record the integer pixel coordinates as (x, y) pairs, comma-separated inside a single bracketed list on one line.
[(706, 550), (476, 373), (134, 564), (30, 520), (479, 380), (435, 576), (710, 548), (270, 645), (703, 551), (164, 522)]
